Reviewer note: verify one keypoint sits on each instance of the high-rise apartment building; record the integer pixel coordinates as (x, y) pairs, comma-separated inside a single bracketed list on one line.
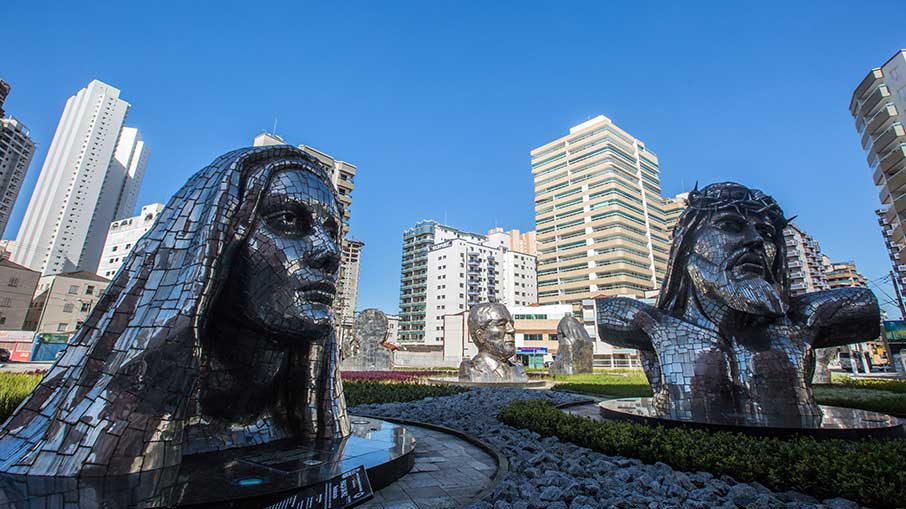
[(514, 240), (348, 284), (122, 236), (673, 209), (599, 215), (342, 175), (842, 274), (878, 105), (446, 270), (16, 151), (804, 261), (4, 92), (90, 177)]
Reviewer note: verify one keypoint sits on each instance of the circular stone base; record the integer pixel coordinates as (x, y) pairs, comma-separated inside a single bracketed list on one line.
[(836, 422), (504, 385), (255, 476)]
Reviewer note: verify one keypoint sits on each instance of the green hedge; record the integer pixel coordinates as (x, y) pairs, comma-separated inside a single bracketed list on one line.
[(364, 393), (15, 386), (871, 472)]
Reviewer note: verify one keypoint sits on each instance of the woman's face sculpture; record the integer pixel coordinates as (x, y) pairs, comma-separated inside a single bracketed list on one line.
[(286, 273)]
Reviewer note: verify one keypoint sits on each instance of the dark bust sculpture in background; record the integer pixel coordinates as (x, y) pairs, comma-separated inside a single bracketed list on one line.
[(369, 349), (575, 352), (216, 333), (726, 340), (493, 331)]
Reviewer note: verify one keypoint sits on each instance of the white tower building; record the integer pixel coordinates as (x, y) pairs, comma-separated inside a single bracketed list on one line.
[(122, 236), (90, 178)]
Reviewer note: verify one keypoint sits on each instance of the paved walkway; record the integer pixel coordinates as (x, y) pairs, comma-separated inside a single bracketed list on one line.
[(449, 472)]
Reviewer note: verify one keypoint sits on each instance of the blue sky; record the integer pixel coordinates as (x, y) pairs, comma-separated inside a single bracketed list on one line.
[(439, 103)]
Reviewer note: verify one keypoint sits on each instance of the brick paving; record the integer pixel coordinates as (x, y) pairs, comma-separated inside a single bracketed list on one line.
[(449, 472)]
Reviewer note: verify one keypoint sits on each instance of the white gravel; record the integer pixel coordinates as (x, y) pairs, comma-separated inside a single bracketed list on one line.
[(548, 473)]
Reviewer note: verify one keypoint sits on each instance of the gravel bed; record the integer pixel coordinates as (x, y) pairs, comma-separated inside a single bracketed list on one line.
[(548, 473)]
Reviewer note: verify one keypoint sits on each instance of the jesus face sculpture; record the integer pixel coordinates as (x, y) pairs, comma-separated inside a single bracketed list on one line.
[(732, 259), (730, 252)]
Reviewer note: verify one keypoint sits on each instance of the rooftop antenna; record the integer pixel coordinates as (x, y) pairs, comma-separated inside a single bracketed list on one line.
[(445, 217), (274, 132)]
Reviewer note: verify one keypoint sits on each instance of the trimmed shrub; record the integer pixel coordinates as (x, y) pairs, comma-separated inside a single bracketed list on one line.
[(871, 472), (368, 392), (14, 387)]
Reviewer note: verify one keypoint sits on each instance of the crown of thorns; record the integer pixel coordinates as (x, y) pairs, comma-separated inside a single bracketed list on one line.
[(728, 195)]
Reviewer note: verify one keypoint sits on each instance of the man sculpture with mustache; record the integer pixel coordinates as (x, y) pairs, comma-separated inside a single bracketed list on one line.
[(492, 329), (726, 341)]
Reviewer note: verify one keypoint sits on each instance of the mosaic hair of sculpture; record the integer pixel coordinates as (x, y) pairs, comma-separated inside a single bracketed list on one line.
[(492, 329), (216, 333), (726, 340), (575, 349)]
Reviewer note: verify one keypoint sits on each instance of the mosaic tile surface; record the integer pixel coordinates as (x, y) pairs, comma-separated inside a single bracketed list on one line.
[(726, 336), (575, 351), (368, 349), (215, 334)]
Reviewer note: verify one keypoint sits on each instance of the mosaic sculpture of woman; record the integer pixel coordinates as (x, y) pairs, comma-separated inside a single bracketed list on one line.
[(216, 333), (727, 341)]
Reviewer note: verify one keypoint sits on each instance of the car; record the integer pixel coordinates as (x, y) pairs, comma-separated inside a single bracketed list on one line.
[(4, 355)]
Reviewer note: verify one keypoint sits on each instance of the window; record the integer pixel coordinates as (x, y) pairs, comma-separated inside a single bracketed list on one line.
[(74, 289), (89, 290), (2, 320), (61, 327), (114, 248), (67, 308), (14, 282), (78, 325), (534, 337), (86, 307)]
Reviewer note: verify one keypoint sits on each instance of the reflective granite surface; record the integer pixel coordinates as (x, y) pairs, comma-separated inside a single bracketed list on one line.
[(251, 476), (830, 421)]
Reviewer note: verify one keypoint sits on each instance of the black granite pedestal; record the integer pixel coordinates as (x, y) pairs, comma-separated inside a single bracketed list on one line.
[(259, 476), (835, 422)]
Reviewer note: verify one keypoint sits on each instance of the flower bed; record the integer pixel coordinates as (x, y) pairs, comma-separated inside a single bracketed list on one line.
[(390, 376), (871, 472)]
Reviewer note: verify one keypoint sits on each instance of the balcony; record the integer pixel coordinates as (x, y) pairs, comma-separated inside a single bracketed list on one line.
[(872, 80), (874, 99), (882, 119), (893, 161)]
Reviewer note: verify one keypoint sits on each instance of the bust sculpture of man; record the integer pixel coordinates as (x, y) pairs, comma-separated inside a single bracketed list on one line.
[(575, 352), (726, 340), (492, 330)]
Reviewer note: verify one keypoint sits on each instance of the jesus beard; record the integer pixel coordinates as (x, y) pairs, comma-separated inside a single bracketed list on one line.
[(752, 295)]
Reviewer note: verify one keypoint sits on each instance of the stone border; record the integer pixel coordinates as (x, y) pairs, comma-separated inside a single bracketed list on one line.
[(503, 465)]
